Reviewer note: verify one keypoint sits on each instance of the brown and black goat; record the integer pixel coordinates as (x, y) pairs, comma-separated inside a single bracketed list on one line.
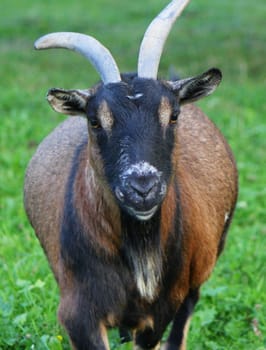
[(132, 197)]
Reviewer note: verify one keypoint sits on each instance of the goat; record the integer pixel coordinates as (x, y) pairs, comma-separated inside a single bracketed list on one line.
[(132, 203)]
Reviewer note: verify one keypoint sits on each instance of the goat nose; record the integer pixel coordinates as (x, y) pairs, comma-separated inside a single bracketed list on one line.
[(144, 185)]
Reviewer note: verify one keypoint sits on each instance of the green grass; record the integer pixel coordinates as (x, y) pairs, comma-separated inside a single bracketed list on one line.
[(229, 34)]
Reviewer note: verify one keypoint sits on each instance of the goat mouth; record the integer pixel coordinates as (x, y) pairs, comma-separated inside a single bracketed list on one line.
[(143, 215)]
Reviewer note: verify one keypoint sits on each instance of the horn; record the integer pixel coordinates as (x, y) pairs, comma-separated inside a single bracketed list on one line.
[(87, 46), (155, 37)]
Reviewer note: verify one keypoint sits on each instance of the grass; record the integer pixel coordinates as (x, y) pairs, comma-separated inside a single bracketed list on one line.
[(228, 34)]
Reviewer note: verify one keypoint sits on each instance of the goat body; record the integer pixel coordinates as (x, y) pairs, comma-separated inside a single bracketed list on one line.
[(132, 205), (127, 272)]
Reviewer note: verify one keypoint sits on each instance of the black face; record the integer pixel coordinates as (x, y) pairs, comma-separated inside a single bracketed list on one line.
[(134, 125)]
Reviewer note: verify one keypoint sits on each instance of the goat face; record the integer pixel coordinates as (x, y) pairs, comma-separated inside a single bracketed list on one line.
[(133, 121), (132, 126)]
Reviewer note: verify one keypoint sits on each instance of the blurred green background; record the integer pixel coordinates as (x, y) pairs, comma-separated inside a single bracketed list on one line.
[(227, 34)]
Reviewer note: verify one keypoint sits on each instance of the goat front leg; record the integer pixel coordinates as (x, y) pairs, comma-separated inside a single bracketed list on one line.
[(85, 331), (178, 335), (149, 338), (137, 347), (147, 341)]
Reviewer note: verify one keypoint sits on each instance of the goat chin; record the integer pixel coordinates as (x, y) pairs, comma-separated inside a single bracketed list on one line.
[(142, 215)]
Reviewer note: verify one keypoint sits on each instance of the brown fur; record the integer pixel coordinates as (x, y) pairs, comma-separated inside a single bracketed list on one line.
[(164, 111), (45, 176), (105, 116), (99, 217)]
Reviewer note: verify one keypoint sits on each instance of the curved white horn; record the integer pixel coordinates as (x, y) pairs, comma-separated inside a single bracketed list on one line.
[(154, 39), (87, 46)]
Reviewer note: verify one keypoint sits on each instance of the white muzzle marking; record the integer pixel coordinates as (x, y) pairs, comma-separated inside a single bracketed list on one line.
[(141, 169)]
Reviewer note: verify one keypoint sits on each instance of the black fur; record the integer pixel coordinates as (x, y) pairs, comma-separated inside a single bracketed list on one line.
[(177, 332), (107, 285)]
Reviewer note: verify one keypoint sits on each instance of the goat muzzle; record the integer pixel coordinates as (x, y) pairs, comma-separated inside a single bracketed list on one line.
[(141, 193)]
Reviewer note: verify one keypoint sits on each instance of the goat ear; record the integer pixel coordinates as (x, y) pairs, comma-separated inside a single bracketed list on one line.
[(192, 89), (70, 102)]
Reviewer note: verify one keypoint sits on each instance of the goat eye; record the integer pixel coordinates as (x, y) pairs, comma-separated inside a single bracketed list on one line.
[(174, 117), (95, 124)]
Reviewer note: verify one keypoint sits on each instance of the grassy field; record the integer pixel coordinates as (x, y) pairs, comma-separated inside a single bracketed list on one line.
[(228, 34)]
